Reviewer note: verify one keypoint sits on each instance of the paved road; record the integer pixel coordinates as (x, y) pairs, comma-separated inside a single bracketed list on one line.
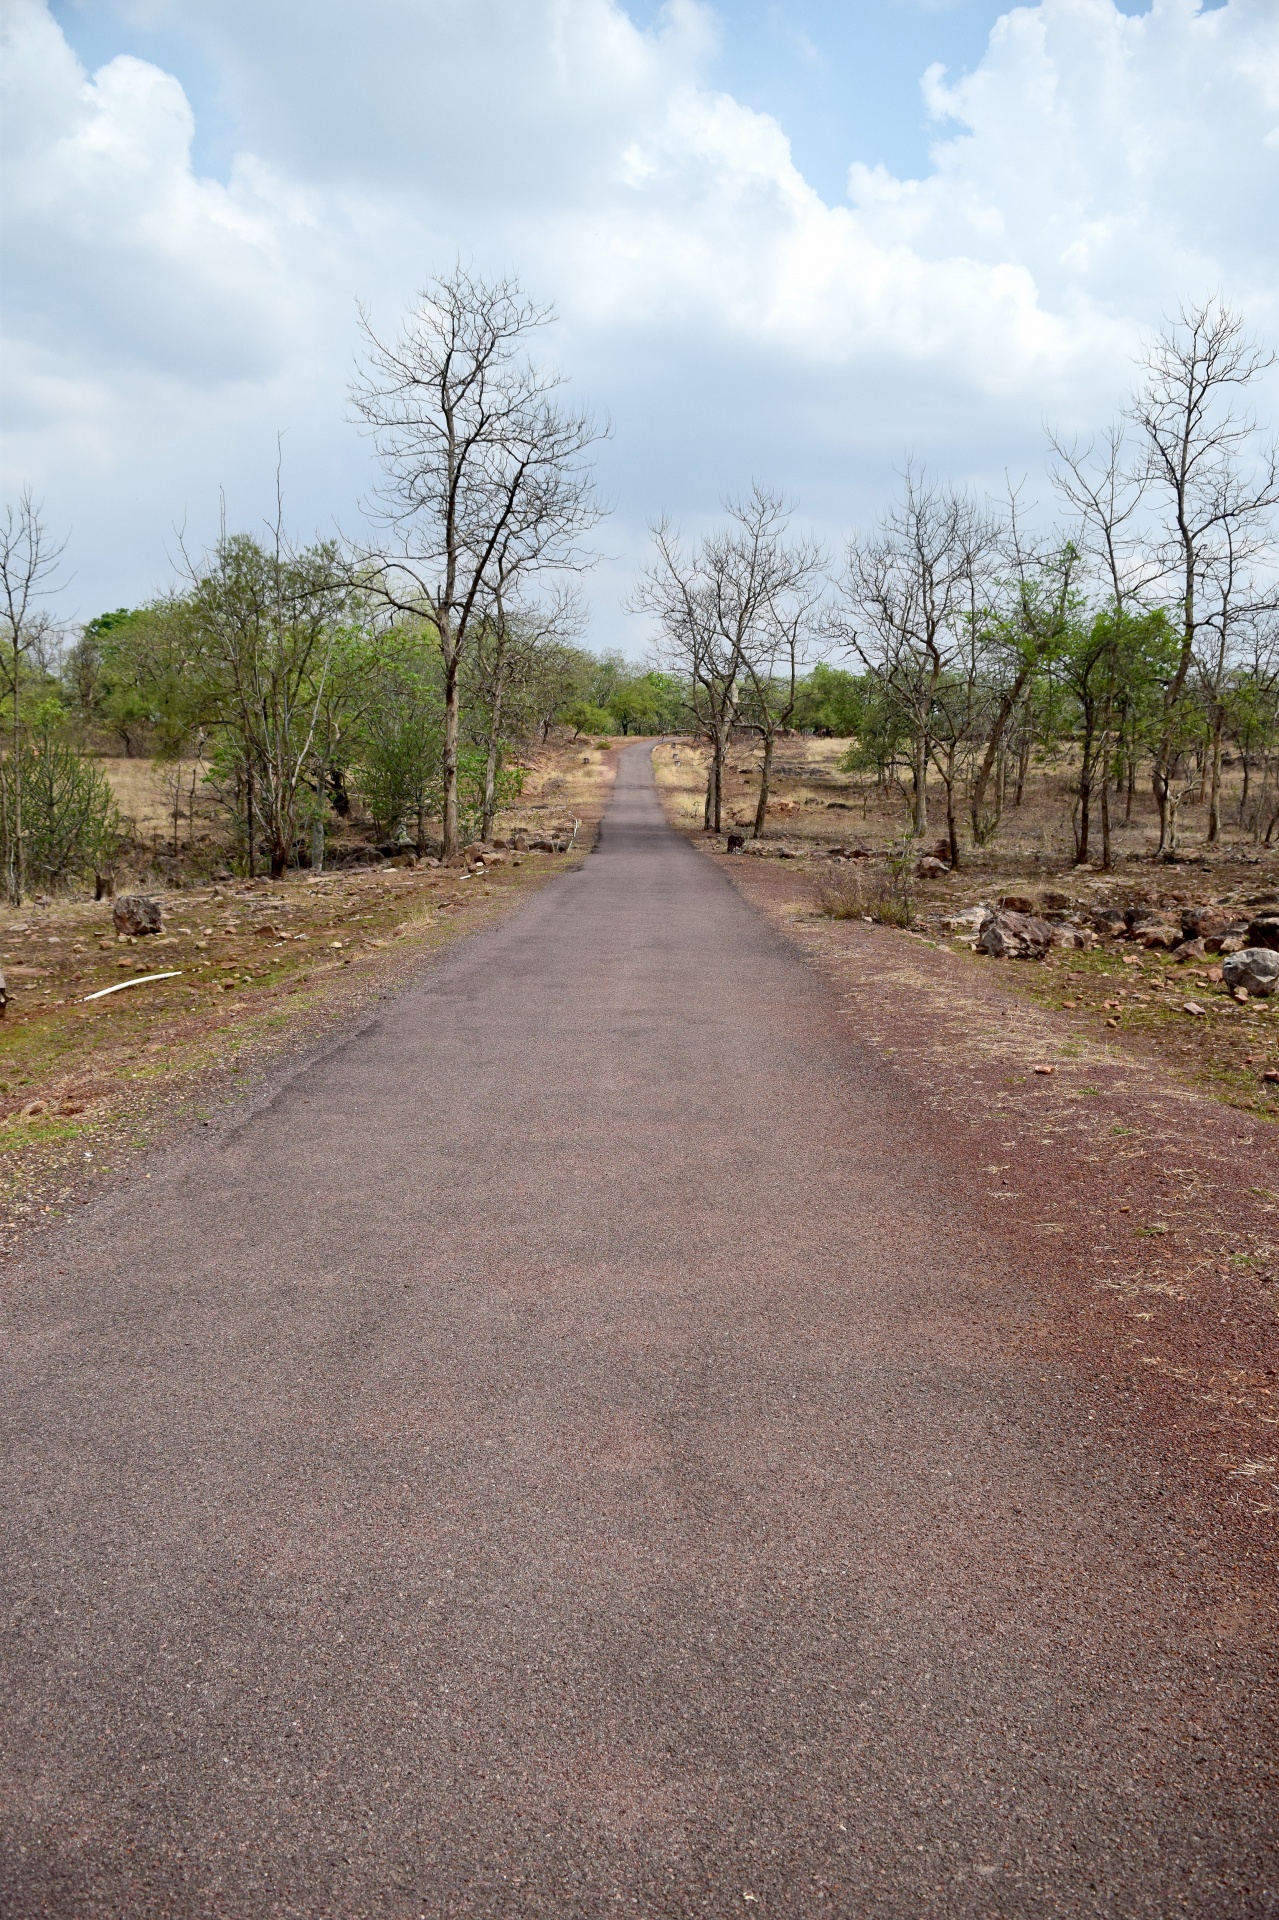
[(562, 1456)]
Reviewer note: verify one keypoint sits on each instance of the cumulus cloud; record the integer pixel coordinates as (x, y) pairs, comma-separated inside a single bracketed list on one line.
[(160, 326)]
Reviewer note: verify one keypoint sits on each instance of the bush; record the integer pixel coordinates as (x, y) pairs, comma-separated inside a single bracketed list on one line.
[(70, 822), (883, 896)]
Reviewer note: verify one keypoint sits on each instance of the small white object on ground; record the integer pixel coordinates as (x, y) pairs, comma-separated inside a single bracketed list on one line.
[(140, 981)]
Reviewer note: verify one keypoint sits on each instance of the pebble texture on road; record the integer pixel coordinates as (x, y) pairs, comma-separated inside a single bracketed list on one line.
[(564, 1454)]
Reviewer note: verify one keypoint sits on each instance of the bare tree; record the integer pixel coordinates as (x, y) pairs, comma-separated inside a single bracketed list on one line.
[(789, 641), (28, 575), (907, 598), (718, 604), (1214, 488), (486, 474)]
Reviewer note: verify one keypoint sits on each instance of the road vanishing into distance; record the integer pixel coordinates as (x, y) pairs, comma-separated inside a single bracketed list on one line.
[(563, 1452)]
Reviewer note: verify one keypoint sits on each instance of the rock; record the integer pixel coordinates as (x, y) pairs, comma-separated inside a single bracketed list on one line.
[(519, 843), (1009, 935), (736, 842), (1193, 1006), (1055, 902), (136, 913), (1233, 941), (1155, 934), (1110, 920), (966, 922), (1017, 903), (1255, 969), (1190, 950), (1264, 931), (930, 868), (1198, 922), (1078, 939)]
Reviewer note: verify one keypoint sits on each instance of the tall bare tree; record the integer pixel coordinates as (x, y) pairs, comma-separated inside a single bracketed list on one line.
[(716, 605), (29, 563), (486, 475), (1214, 488), (907, 598), (775, 656)]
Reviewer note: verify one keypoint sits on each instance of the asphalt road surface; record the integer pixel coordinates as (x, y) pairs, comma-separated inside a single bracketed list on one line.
[(565, 1454)]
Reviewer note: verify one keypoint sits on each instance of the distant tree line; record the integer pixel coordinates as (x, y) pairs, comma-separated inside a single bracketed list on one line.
[(1138, 641)]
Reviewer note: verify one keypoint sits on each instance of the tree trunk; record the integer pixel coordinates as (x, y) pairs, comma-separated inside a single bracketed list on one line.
[(1105, 804), (1085, 799), (490, 766), (717, 783), (452, 708), (317, 819), (1214, 781), (919, 773), (765, 780), (991, 758), (952, 829), (250, 825)]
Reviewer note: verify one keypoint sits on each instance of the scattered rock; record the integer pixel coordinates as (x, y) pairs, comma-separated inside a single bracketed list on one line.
[(1198, 922), (1110, 920), (1077, 939), (136, 913), (1193, 1006), (1011, 935), (1156, 934), (736, 843), (1045, 1069), (966, 922), (1232, 942), (1264, 931), (1017, 903), (929, 867), (1253, 971), (1055, 902), (1190, 950)]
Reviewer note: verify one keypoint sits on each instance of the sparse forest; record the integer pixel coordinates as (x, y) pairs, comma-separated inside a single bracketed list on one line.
[(301, 705)]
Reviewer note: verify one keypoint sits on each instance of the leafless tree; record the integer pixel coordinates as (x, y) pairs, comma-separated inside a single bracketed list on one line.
[(1214, 489), (29, 564), (906, 601), (791, 638), (486, 475), (718, 604)]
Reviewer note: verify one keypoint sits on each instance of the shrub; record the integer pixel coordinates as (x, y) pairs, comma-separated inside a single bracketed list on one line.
[(70, 822), (885, 896)]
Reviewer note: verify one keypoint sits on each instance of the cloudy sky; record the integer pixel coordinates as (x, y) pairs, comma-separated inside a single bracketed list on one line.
[(787, 241)]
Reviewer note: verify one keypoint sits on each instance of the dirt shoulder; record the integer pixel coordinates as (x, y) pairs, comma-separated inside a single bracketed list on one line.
[(259, 971), (1145, 1212)]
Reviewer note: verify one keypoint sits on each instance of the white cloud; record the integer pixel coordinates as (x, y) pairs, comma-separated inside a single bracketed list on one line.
[(161, 326)]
